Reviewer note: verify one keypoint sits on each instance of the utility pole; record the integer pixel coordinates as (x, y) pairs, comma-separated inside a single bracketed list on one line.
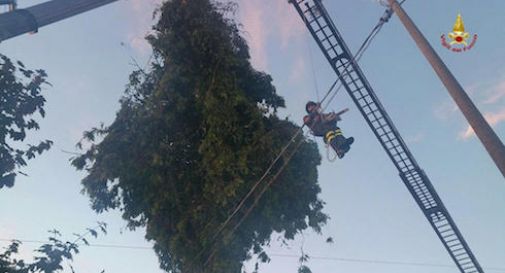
[(482, 129), (27, 20)]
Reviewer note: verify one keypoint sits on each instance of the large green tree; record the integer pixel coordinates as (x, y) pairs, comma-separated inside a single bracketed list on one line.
[(192, 136), (20, 99)]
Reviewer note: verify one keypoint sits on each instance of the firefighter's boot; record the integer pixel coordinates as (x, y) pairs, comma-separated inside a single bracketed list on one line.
[(338, 142), (340, 145)]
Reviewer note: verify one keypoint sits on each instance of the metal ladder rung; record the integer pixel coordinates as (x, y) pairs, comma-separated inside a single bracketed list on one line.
[(386, 133), (470, 262), (454, 235), (423, 192), (443, 226), (423, 195), (446, 230), (451, 245), (452, 241), (459, 249), (468, 267), (449, 231), (343, 65), (329, 49), (419, 190), (320, 28), (328, 39)]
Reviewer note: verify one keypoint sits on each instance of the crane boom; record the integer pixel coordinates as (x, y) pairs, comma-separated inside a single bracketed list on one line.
[(27, 20), (326, 35)]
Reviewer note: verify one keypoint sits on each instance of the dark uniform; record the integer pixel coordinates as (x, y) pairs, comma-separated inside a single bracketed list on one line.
[(325, 126)]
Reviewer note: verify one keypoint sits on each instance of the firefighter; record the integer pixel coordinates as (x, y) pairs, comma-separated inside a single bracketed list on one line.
[(325, 126)]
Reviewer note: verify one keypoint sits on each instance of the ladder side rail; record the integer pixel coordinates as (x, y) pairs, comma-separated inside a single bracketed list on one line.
[(364, 80), (443, 210), (414, 178), (434, 214), (341, 74)]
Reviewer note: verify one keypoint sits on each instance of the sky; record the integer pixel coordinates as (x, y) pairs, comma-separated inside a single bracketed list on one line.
[(373, 217)]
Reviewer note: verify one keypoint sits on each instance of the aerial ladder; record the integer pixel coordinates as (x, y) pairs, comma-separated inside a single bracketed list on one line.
[(330, 41), (12, 4), (29, 20)]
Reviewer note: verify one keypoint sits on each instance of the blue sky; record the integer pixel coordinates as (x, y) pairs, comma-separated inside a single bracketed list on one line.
[(373, 217)]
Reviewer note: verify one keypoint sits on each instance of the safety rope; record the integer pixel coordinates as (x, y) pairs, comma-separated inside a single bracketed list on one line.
[(328, 151), (312, 67), (354, 60), (258, 197)]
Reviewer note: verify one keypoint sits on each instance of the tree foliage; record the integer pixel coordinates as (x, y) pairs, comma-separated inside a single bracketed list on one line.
[(20, 99), (192, 136), (50, 256)]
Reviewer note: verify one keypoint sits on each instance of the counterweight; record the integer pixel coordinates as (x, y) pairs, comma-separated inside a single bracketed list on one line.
[(335, 50)]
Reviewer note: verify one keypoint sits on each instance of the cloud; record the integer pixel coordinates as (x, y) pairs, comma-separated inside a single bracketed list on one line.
[(419, 137), (266, 24), (298, 71), (139, 44), (269, 23), (493, 119), (496, 93), (490, 94), (141, 14), (289, 23), (446, 110), (253, 18)]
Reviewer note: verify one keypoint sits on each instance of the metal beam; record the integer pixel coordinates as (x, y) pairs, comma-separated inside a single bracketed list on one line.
[(483, 130), (27, 20)]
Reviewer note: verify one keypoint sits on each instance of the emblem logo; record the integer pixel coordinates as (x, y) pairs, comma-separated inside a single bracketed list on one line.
[(459, 38)]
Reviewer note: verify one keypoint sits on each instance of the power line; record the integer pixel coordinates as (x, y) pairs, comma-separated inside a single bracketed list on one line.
[(364, 46), (386, 262), (90, 245), (257, 198), (282, 255)]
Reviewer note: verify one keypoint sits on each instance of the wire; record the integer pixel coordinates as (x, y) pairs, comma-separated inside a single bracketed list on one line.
[(364, 46), (309, 49), (251, 191), (91, 245), (256, 199), (387, 262), (328, 258)]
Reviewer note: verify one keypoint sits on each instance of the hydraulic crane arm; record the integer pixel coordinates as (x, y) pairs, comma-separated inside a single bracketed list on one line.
[(27, 20), (326, 35)]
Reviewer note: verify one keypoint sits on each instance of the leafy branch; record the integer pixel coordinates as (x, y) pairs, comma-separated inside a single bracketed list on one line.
[(50, 256)]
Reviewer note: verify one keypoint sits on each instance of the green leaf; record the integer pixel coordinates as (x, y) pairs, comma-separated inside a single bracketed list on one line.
[(193, 134), (304, 269)]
